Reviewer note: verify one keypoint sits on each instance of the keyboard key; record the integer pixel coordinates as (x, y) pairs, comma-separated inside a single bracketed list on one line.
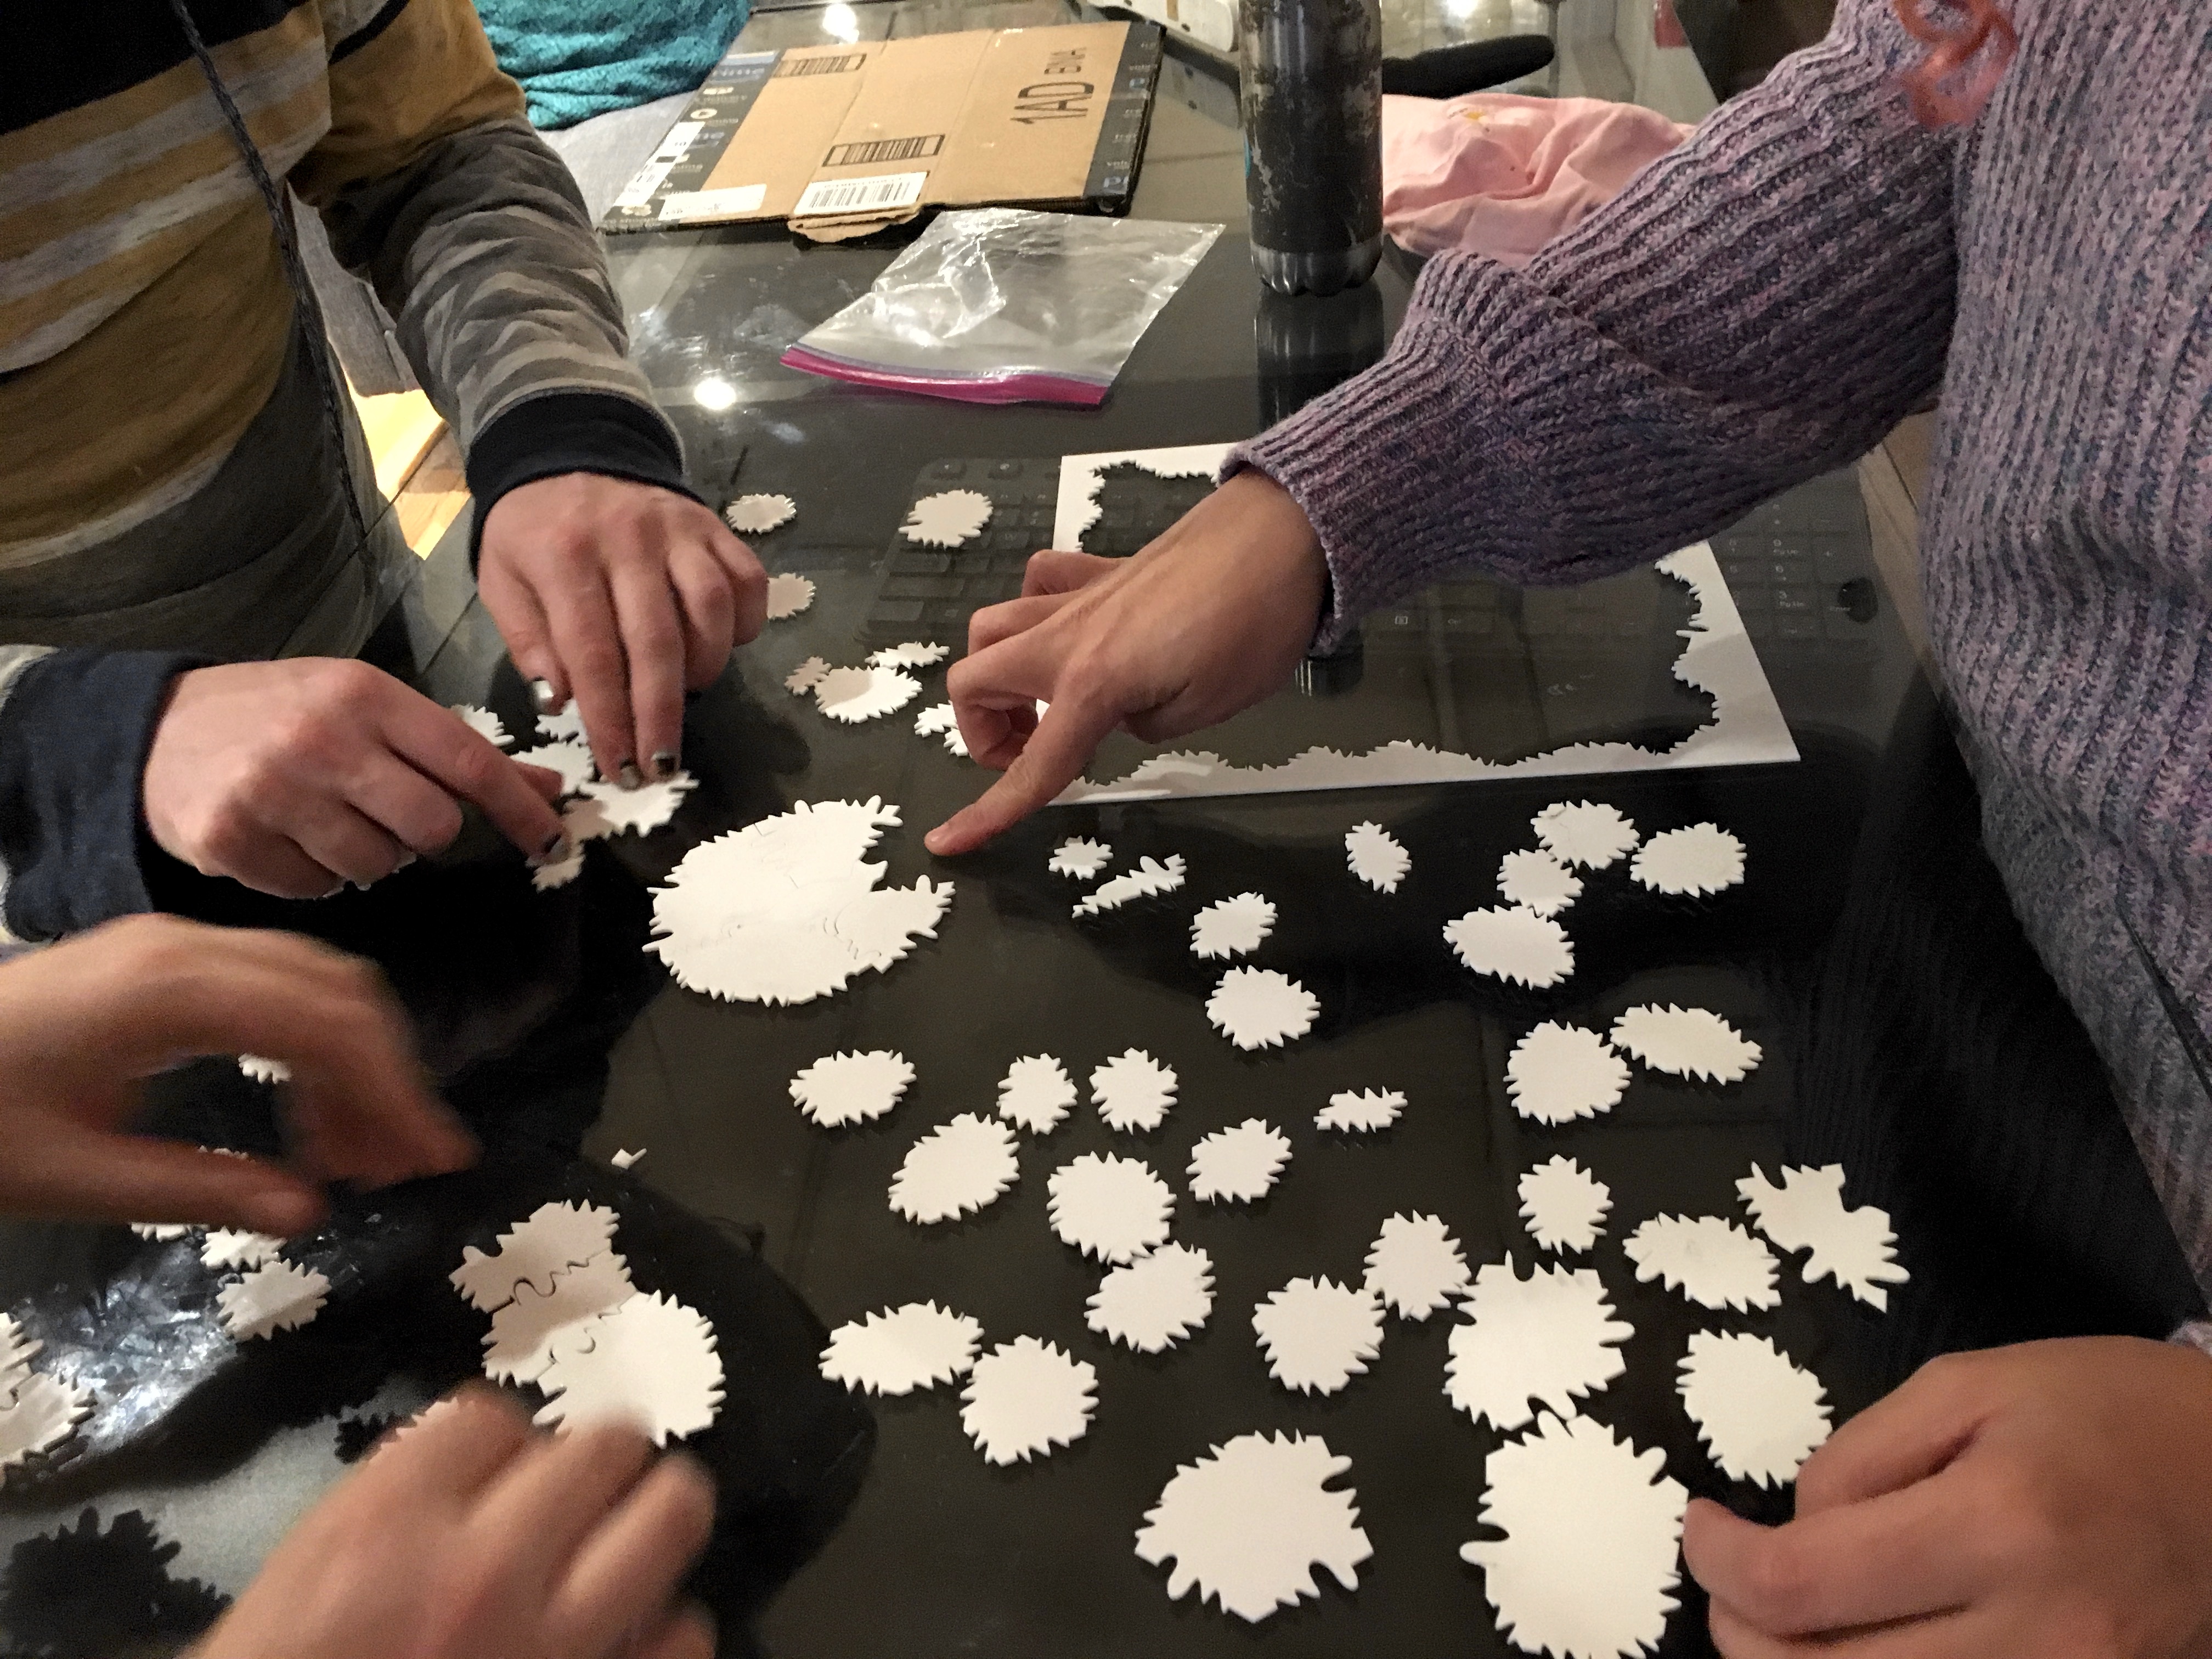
[(920, 564), (1800, 601), (1797, 627), (921, 587), (895, 610)]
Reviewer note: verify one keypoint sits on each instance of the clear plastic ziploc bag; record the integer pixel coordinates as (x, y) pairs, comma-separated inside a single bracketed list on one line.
[(1005, 305)]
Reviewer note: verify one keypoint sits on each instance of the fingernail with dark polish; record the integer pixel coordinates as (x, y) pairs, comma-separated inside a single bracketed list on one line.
[(629, 776), (663, 764)]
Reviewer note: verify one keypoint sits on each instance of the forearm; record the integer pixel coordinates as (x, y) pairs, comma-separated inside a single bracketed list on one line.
[(1754, 309), (75, 727)]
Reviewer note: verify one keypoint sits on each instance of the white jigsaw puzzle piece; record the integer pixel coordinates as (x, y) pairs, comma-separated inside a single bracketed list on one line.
[(947, 518), (555, 1237), (1702, 858), (1260, 1008), (1855, 1247), (1036, 1094), (1249, 1522), (262, 1069), (1110, 1208), (485, 723), (1133, 1091), (1149, 879), (1025, 1397), (1538, 882), (1416, 1267), (804, 679), (1374, 855), (1238, 1165), (1587, 1569), (1361, 1113), (648, 1361), (1551, 1337), (277, 1296), (642, 810), (1155, 1301), (40, 1414), (1686, 1042), (1563, 1205), (756, 515), (899, 1350), (1709, 1259), (1513, 943), (571, 759), (939, 719), (854, 694), (1231, 927), (1318, 1334), (1584, 833), (1759, 1414), (227, 1248), (955, 1170), (914, 653), (1559, 1072), (843, 1089), (526, 1333), (1080, 857)]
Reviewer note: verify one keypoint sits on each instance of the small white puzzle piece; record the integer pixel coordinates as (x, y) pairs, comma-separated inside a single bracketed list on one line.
[(1709, 1259), (1231, 927), (1249, 1522), (1025, 1397), (1374, 855), (1080, 857), (527, 1332), (1559, 1072), (899, 1350), (1155, 1301), (1260, 1008), (1700, 860), (1416, 1267), (555, 1237), (1513, 943), (844, 1088), (648, 1361), (1149, 879), (956, 1170), (1686, 1042), (854, 694), (1133, 1091), (642, 810), (914, 653), (1318, 1334), (756, 515), (1582, 832), (1036, 1094), (1551, 1337), (1238, 1165), (1759, 1414), (1588, 1567), (1110, 1208), (485, 723), (1361, 1113), (1538, 882), (948, 519), (276, 1296), (1562, 1204), (1855, 1247)]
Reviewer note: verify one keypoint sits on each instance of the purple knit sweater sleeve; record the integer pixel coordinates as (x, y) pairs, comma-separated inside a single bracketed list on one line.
[(1755, 308)]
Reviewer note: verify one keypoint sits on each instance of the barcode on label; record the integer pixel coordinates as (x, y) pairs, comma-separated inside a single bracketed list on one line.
[(884, 189), (874, 152), (680, 204), (841, 65)]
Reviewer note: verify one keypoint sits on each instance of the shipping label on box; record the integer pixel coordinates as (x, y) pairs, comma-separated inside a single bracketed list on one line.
[(842, 140)]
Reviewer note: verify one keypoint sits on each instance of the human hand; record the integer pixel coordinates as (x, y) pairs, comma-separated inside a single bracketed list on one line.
[(466, 1536), (297, 777), (1209, 619), (82, 1022), (623, 596), (2046, 1501)]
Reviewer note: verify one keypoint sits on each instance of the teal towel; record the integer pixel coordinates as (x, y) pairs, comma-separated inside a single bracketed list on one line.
[(578, 58)]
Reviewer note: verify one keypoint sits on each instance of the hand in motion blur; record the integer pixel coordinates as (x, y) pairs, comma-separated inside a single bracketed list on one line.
[(83, 1022), (2040, 1502), (1209, 619), (296, 777), (466, 1536), (623, 596)]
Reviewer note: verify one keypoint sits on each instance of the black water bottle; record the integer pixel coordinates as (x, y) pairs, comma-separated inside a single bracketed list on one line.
[(1313, 140)]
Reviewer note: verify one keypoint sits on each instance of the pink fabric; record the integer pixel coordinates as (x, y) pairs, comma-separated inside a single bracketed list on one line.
[(1501, 175)]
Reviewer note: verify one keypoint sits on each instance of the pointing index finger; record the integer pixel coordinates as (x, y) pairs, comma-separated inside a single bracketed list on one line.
[(467, 766), (1066, 737)]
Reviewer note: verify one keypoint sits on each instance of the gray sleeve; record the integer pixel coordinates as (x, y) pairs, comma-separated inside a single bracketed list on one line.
[(482, 251)]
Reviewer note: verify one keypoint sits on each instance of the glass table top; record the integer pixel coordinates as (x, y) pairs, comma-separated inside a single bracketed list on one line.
[(1907, 1033)]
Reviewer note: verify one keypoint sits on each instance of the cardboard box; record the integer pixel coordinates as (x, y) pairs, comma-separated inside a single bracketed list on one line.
[(842, 140)]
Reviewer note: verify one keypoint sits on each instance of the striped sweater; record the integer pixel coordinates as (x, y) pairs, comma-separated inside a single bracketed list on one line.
[(1762, 304), (169, 479)]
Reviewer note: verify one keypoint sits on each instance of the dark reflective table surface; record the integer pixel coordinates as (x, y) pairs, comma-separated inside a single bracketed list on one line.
[(1908, 1034)]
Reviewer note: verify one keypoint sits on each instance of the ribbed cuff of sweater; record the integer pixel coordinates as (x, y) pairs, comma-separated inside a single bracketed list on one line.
[(1380, 464), (571, 432)]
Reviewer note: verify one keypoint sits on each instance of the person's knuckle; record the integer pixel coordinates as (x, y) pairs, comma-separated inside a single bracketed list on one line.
[(1780, 1583)]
